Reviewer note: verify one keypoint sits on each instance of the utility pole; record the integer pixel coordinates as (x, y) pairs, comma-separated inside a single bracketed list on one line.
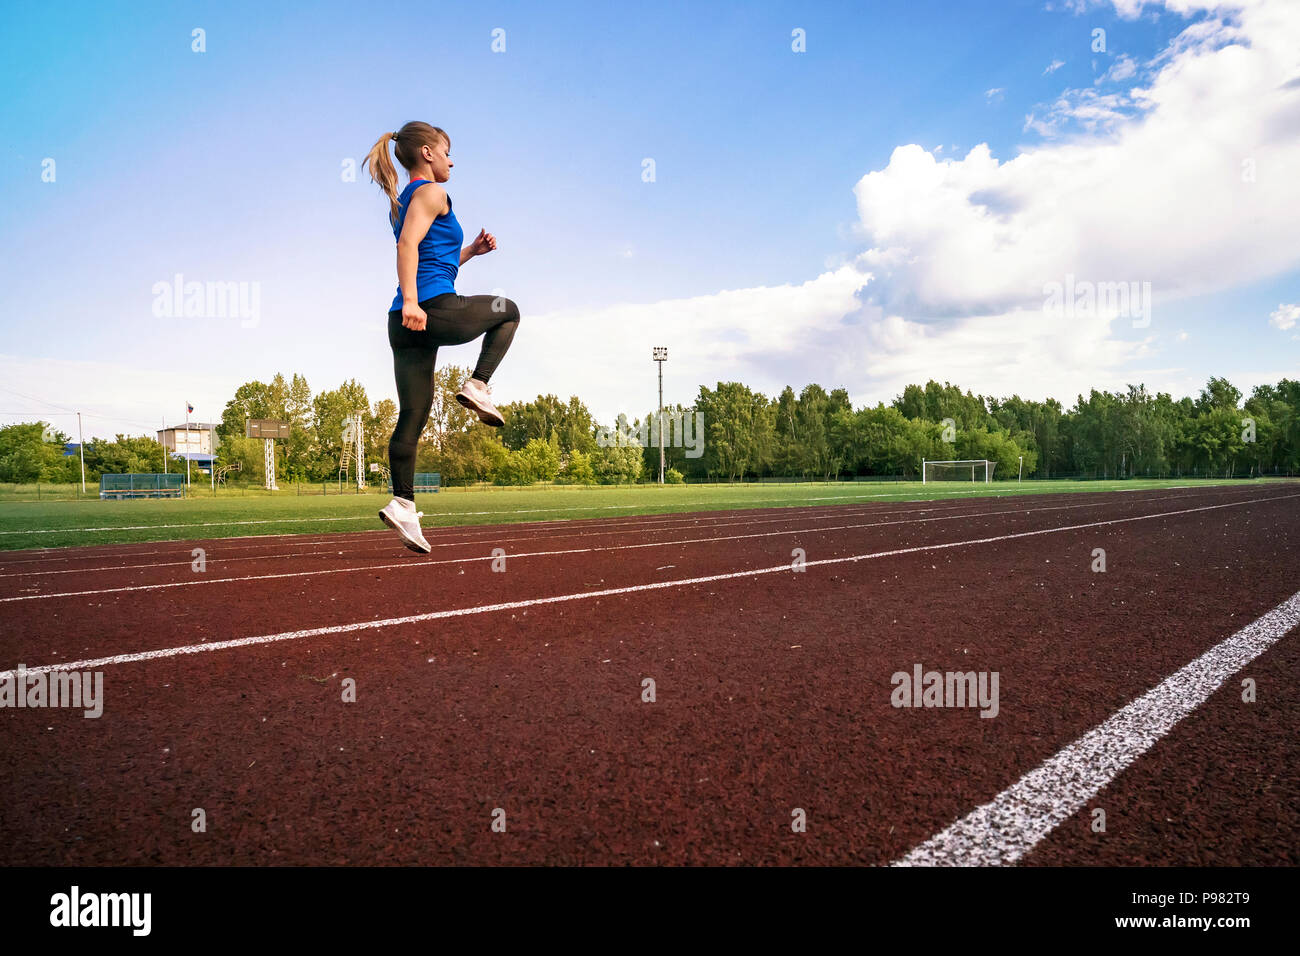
[(81, 447), (660, 356)]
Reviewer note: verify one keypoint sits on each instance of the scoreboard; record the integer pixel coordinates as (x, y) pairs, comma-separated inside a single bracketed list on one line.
[(267, 428)]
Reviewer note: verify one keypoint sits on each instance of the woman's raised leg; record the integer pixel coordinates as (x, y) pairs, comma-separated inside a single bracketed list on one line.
[(456, 319)]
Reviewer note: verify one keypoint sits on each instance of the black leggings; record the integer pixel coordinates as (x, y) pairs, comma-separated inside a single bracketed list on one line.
[(453, 320)]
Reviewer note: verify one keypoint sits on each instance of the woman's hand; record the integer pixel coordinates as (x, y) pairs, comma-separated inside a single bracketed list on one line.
[(485, 243), (413, 316)]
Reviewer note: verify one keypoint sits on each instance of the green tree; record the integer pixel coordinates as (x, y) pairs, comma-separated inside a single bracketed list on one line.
[(740, 425), (543, 458), (617, 465), (577, 470), (125, 455)]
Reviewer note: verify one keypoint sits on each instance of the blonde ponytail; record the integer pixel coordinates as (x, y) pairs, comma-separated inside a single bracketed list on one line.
[(409, 140)]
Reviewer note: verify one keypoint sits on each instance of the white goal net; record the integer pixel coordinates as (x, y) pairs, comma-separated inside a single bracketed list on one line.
[(976, 469)]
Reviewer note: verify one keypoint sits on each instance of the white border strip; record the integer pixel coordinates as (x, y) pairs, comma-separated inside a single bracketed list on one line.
[(792, 503), (673, 542), (370, 542), (1005, 829), (785, 568)]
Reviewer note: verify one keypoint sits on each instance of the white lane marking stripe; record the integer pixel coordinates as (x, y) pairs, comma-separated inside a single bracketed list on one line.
[(372, 545), (619, 547), (1012, 823), (299, 539), (457, 514), (222, 524), (187, 524), (580, 596), (603, 532)]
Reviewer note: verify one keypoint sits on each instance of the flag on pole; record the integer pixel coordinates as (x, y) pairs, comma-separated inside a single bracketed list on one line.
[(189, 409)]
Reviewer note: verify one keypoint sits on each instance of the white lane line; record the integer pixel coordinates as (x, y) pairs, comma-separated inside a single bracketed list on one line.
[(783, 568), (409, 564), (458, 514), (250, 521), (710, 523), (298, 539), (1012, 823), (185, 524), (653, 522), (496, 539), (366, 517)]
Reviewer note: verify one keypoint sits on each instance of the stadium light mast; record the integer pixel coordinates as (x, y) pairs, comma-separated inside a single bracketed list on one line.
[(660, 356)]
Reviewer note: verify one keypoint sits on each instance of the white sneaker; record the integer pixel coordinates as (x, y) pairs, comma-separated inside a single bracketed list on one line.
[(400, 515), (476, 396)]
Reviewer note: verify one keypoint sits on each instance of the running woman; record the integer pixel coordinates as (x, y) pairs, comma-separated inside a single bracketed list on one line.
[(427, 312)]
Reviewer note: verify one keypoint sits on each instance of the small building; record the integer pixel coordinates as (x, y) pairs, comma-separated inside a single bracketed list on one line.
[(194, 442)]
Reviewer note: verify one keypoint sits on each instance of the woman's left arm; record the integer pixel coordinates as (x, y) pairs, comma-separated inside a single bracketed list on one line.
[(485, 242)]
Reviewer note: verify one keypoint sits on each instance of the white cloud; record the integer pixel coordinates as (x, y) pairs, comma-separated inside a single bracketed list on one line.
[(1053, 66), (1284, 317), (1125, 67), (1085, 109), (1127, 9), (995, 93), (1146, 187), (1157, 197), (1022, 351), (767, 337)]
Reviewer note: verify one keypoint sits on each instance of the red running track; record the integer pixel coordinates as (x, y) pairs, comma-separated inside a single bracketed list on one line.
[(223, 688)]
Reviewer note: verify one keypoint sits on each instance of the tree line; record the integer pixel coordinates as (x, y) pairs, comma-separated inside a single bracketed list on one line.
[(744, 434)]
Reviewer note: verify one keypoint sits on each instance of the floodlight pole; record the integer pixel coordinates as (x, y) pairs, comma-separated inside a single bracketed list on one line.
[(660, 354)]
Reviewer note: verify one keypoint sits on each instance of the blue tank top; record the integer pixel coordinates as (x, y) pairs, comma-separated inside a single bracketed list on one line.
[(439, 250)]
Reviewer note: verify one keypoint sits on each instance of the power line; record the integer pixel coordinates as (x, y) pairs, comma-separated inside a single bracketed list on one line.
[(110, 418), (64, 410), (33, 398)]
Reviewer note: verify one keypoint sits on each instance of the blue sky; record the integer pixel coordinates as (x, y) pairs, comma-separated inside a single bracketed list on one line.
[(226, 165)]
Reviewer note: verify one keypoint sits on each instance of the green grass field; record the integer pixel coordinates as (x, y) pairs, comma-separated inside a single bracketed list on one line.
[(62, 523)]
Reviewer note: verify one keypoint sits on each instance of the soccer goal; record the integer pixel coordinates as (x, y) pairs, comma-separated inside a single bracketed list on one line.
[(975, 468)]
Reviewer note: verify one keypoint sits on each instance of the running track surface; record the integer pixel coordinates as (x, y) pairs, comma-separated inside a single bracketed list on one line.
[(223, 689)]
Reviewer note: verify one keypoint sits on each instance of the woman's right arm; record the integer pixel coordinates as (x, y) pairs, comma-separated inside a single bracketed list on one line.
[(425, 205)]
